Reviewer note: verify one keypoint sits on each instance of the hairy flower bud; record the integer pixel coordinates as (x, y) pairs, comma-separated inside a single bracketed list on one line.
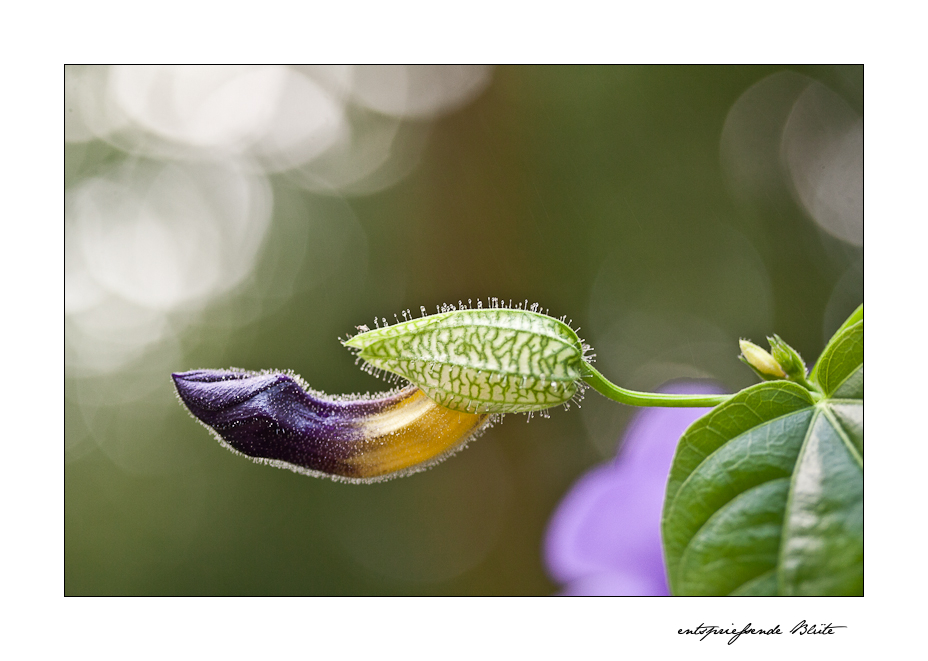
[(760, 361), (493, 360), (788, 358), (275, 418)]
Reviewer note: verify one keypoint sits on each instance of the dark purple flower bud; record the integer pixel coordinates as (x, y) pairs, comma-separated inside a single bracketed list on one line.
[(274, 418)]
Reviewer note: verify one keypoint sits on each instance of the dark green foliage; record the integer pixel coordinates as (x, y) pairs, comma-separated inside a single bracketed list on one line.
[(765, 494)]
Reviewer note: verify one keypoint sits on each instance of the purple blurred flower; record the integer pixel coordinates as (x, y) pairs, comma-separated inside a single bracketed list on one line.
[(605, 536)]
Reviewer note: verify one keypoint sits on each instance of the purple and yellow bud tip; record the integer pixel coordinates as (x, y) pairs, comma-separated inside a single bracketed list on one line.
[(274, 418)]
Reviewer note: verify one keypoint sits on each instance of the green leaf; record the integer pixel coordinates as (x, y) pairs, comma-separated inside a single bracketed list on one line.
[(856, 316), (765, 494)]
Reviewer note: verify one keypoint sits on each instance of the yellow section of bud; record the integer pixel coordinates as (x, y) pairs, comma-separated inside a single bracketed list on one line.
[(761, 361)]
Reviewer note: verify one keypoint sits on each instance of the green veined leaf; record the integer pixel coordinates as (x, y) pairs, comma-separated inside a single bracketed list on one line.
[(765, 494)]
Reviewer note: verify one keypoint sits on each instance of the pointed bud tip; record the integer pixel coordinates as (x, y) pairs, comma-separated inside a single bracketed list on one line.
[(211, 390)]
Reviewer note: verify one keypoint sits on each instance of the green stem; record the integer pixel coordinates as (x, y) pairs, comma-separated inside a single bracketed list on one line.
[(633, 398)]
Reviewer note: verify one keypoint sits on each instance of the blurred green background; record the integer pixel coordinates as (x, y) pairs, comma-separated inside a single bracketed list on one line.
[(668, 211)]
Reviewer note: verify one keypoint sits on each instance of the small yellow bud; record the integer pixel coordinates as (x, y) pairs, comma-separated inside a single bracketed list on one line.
[(761, 361)]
